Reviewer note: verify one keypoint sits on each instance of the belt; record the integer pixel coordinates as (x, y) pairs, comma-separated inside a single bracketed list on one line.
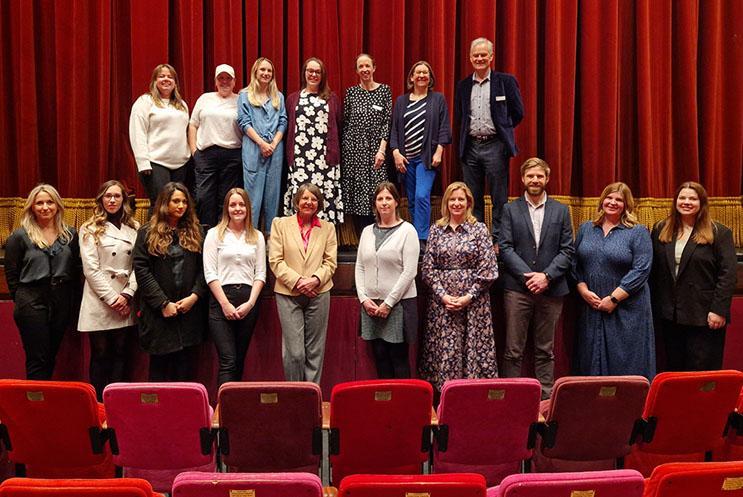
[(483, 139)]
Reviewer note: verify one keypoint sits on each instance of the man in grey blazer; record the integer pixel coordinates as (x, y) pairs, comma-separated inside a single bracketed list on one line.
[(536, 247)]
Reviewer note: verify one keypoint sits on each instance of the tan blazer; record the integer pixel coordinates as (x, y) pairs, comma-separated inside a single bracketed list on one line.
[(289, 261)]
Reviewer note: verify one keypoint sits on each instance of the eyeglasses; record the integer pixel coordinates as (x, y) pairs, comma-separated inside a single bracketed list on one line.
[(317, 72), (113, 196)]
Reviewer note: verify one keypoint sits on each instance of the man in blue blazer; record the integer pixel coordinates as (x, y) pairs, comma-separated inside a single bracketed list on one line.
[(488, 107), (536, 248)]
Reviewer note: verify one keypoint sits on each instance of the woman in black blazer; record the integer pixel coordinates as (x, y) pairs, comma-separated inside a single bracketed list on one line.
[(693, 281), (172, 290)]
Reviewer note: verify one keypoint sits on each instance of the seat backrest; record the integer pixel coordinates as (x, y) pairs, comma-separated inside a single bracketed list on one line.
[(197, 484), (691, 410), (440, 485), (486, 421), (614, 483), (704, 479), (49, 422), (270, 426), (117, 487), (591, 417), (379, 426), (159, 425)]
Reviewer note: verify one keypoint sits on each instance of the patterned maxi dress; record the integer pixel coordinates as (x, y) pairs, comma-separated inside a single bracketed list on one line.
[(459, 344), (620, 343), (366, 122), (310, 150)]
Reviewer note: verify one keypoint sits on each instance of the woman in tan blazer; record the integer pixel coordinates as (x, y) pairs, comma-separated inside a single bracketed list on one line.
[(303, 257)]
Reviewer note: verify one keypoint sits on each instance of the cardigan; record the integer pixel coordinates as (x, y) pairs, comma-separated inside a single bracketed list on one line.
[(437, 130), (332, 142)]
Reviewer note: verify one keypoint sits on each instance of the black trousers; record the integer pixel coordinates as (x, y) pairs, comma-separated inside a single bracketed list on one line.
[(232, 337), (216, 171), (176, 366), (692, 348), (159, 177), (108, 356), (391, 359), (42, 312)]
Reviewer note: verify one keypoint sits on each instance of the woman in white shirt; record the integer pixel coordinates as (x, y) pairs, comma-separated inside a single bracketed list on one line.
[(235, 270), (215, 142), (386, 265), (157, 133), (106, 245)]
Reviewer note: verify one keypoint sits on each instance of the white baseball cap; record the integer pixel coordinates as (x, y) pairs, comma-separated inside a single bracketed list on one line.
[(224, 68)]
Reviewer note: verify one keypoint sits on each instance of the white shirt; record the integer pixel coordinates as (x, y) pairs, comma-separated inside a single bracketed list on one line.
[(216, 121), (536, 213), (232, 261), (158, 134)]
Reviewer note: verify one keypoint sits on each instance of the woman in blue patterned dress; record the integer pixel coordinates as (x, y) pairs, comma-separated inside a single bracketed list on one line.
[(612, 265), (459, 266)]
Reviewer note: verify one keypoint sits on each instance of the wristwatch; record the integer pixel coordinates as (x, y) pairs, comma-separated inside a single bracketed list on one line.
[(549, 278), (614, 299)]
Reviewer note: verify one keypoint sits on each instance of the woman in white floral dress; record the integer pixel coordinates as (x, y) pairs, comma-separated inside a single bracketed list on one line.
[(313, 141)]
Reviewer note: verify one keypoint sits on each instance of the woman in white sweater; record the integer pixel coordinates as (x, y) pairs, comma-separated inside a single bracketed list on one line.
[(386, 265), (157, 132)]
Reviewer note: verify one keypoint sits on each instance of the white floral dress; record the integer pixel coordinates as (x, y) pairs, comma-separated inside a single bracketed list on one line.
[(310, 131)]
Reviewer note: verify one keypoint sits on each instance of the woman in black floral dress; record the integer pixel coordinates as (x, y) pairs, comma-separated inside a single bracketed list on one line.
[(312, 141), (367, 110), (459, 266)]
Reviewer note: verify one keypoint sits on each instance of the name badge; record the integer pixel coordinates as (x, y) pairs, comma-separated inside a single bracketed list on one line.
[(377, 107), (500, 98)]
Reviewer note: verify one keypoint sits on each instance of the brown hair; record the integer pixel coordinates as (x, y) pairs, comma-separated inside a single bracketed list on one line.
[(535, 162), (251, 234), (175, 98), (431, 79), (468, 217), (313, 189), (95, 226), (704, 233), (324, 90), (160, 236), (628, 219), (390, 187)]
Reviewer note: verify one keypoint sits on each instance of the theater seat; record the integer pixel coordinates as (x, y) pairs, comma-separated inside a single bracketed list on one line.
[(684, 418), (588, 422), (269, 427), (54, 429), (484, 426), (732, 450), (439, 485), (706, 479), (613, 483), (379, 427), (195, 484), (161, 429), (119, 487)]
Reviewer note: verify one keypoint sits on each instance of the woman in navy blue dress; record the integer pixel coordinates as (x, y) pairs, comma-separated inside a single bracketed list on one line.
[(612, 265)]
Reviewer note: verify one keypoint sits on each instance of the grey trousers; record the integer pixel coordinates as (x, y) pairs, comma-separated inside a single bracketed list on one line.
[(539, 313), (304, 327)]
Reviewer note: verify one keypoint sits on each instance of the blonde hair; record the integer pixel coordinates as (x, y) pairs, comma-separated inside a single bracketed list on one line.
[(175, 98), (468, 216), (160, 236), (628, 219), (254, 85), (533, 162), (95, 226), (704, 231), (28, 218), (251, 234)]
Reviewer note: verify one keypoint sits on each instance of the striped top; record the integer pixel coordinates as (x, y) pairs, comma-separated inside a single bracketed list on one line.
[(415, 120)]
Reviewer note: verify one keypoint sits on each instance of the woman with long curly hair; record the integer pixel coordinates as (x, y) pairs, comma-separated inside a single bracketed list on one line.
[(170, 276)]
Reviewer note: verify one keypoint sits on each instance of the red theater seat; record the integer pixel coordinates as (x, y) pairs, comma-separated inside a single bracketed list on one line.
[(732, 450), (55, 429), (379, 427), (706, 479), (267, 427), (119, 487), (247, 485), (484, 426), (613, 483), (440, 485), (684, 418), (161, 429), (589, 422)]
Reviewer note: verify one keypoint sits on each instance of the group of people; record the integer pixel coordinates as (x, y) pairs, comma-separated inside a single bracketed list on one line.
[(178, 277)]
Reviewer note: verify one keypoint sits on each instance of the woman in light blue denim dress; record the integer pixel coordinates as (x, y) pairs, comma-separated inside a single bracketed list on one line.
[(261, 115)]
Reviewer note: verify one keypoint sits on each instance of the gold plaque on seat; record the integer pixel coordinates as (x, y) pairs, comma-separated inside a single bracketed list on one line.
[(35, 396), (608, 392), (383, 396), (732, 483), (417, 494), (269, 398), (149, 398), (496, 394), (242, 493), (708, 386), (582, 493)]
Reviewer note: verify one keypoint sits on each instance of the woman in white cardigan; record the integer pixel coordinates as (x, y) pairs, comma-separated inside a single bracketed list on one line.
[(386, 265), (106, 245)]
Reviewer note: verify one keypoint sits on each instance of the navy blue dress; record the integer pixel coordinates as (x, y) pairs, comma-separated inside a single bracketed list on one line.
[(622, 342)]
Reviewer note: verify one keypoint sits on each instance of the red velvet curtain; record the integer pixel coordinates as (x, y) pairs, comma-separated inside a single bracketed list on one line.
[(645, 91)]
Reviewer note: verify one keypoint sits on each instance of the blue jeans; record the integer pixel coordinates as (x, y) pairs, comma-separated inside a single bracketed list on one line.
[(418, 186), (262, 178)]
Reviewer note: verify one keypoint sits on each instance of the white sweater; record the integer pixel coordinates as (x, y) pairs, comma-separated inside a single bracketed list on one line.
[(388, 273), (215, 120), (158, 134)]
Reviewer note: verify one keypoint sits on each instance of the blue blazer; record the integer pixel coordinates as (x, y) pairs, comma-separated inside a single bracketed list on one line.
[(518, 249), (437, 129), (506, 113)]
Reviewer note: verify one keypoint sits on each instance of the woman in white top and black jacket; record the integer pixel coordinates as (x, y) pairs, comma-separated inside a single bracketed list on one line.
[(386, 265), (157, 132), (235, 270), (106, 248)]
